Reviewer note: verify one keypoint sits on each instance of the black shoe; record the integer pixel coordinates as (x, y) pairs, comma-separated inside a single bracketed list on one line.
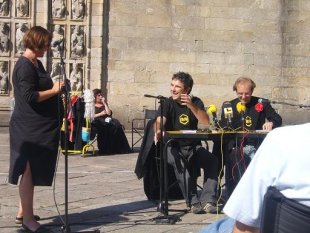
[(41, 229), (19, 220), (197, 208)]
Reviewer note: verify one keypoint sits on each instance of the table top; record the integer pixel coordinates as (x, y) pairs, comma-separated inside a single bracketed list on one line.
[(214, 134)]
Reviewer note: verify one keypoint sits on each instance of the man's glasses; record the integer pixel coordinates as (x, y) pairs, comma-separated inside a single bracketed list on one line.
[(99, 95), (243, 94)]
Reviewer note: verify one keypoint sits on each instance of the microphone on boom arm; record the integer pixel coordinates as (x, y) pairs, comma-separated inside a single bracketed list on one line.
[(262, 100), (160, 97)]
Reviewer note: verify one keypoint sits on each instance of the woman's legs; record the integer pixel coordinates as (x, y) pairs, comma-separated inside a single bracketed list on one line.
[(26, 191)]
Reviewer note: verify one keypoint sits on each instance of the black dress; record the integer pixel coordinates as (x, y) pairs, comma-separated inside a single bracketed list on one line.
[(34, 126), (111, 138)]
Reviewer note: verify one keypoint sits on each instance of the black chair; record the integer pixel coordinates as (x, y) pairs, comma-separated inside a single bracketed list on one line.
[(283, 215), (138, 125)]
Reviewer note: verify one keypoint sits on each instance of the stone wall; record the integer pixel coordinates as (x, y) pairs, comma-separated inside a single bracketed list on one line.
[(216, 42), (132, 48)]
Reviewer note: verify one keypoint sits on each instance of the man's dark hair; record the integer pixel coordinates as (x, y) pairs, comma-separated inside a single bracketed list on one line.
[(185, 78)]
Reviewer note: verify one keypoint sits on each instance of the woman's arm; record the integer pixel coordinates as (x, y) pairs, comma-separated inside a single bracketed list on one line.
[(56, 89)]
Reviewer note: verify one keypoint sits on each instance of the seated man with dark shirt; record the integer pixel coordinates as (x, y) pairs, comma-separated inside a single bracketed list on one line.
[(248, 113), (182, 112)]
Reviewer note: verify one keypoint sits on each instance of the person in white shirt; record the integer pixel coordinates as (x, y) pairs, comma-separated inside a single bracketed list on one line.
[(281, 161)]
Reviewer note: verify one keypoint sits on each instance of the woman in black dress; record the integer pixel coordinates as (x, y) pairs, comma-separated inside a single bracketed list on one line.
[(34, 125), (111, 138)]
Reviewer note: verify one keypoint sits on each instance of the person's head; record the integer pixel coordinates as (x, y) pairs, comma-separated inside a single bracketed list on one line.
[(244, 88), (2, 65), (57, 28), (98, 95), (76, 67), (77, 28), (181, 83), (37, 39)]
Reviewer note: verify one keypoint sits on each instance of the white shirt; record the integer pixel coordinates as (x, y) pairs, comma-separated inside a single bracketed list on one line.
[(283, 161)]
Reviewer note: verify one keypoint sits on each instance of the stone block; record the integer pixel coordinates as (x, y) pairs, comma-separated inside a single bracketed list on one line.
[(115, 54), (228, 69), (153, 20), (188, 22), (191, 68), (211, 57), (96, 32), (268, 60), (222, 46), (96, 22), (225, 24), (120, 76), (162, 78), (299, 81), (140, 55), (262, 48), (167, 56), (122, 65), (120, 18), (96, 42), (97, 9), (230, 12)]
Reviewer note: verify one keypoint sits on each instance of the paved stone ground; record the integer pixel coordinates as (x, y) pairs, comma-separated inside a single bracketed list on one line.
[(104, 195)]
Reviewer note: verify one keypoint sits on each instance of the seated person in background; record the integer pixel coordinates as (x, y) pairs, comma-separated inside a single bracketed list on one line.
[(258, 114), (182, 112), (111, 138), (281, 161)]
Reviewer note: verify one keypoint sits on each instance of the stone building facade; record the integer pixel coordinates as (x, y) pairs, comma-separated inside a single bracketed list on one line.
[(132, 47)]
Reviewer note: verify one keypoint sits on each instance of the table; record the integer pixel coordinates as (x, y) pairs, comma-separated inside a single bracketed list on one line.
[(215, 135)]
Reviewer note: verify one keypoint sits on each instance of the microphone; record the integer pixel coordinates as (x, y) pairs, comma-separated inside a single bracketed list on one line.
[(57, 43), (228, 111), (212, 111), (155, 97), (240, 107)]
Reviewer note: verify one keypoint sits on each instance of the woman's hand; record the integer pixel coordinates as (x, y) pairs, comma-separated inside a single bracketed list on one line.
[(103, 113), (56, 89), (57, 86)]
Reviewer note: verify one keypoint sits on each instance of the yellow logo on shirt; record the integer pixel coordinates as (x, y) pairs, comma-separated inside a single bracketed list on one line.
[(184, 119), (248, 121)]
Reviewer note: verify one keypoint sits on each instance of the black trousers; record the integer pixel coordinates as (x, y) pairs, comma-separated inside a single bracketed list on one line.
[(187, 162)]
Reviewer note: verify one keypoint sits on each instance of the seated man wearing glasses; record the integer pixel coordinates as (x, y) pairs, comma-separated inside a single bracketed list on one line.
[(255, 114)]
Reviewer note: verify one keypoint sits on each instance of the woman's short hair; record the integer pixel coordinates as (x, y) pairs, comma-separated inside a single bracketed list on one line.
[(37, 38), (97, 91), (244, 80), (185, 78)]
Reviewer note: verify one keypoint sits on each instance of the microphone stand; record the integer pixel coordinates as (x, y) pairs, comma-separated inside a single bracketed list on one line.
[(163, 172), (242, 120), (65, 227), (66, 90), (295, 105)]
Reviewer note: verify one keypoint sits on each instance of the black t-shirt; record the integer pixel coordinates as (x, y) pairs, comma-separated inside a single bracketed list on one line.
[(180, 117)]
